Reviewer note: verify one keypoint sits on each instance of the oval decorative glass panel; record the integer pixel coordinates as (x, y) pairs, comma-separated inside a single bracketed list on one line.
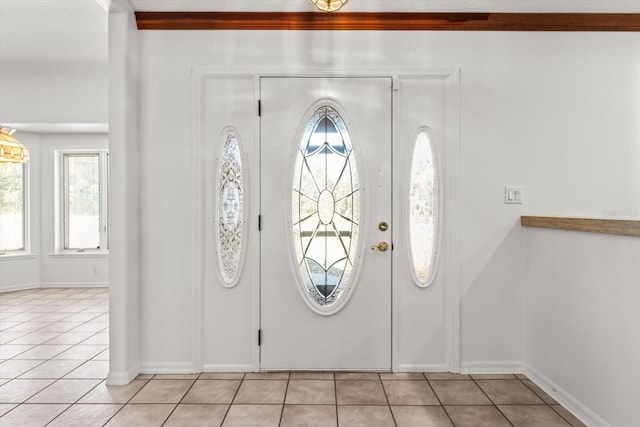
[(230, 197), (325, 210), (423, 209)]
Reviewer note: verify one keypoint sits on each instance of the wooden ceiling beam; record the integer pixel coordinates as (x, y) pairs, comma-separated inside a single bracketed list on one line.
[(388, 21)]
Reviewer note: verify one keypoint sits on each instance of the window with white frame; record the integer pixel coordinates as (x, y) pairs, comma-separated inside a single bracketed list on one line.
[(83, 201), (13, 208)]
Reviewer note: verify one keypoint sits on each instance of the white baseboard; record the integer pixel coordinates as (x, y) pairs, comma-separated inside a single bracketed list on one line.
[(166, 368), (228, 368), (492, 368), (577, 408), (22, 287), (74, 285), (28, 286), (422, 368), (123, 378)]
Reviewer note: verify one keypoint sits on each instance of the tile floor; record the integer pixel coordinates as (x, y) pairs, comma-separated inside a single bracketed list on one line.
[(54, 358)]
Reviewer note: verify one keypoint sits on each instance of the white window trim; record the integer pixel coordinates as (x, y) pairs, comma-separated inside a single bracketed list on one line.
[(26, 218), (59, 203)]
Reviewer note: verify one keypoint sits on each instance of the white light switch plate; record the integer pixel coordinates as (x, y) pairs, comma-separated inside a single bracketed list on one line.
[(513, 195)]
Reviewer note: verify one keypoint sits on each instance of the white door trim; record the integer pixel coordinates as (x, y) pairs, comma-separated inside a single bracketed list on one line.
[(451, 200)]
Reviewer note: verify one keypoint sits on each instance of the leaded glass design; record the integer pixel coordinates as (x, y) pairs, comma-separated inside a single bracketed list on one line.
[(423, 208), (230, 208), (325, 207)]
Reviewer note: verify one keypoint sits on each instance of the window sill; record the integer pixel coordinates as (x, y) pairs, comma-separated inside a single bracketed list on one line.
[(75, 254), (17, 256)]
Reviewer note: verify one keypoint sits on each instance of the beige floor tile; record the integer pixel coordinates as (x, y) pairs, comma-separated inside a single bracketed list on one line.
[(18, 390), (360, 392), (455, 392), (64, 391), (309, 416), (568, 416), (52, 369), (311, 376), (197, 416), (101, 338), (357, 376), (6, 407), (176, 376), (222, 376), (409, 392), (7, 337), (8, 351), (261, 392), (91, 327), (212, 391), (267, 376), (401, 376), (36, 338), (144, 376), (90, 369), (15, 368), (532, 416), (509, 392), (82, 352), (144, 415), (540, 392), (421, 416), (43, 351), (82, 316), (162, 391), (493, 376), (476, 416), (113, 394), (23, 326), (445, 376), (85, 415), (370, 416), (311, 392), (31, 415), (60, 326), (104, 355), (70, 338), (253, 416), (51, 316)]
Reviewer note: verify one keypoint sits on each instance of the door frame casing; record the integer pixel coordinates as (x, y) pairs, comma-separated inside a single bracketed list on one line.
[(451, 201)]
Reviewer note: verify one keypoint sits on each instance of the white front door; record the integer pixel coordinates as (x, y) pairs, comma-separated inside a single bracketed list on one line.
[(325, 292)]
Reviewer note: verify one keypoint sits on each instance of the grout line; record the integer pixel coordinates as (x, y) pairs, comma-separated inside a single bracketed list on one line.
[(387, 399), (491, 400)]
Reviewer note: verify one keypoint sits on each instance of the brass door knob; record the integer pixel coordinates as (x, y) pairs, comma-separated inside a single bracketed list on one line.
[(382, 246)]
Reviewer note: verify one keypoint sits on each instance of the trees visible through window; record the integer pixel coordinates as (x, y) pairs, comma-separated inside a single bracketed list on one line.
[(85, 201), (12, 207)]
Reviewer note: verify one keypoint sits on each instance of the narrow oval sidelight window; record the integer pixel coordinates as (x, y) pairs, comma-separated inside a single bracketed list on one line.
[(424, 209), (230, 207), (325, 210)]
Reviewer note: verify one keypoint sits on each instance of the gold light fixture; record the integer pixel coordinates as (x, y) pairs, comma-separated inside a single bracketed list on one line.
[(329, 5), (11, 150)]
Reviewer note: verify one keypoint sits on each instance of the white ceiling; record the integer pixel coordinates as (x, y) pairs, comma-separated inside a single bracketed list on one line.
[(52, 34), (65, 34)]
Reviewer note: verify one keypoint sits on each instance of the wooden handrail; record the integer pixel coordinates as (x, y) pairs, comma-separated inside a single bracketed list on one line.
[(608, 226)]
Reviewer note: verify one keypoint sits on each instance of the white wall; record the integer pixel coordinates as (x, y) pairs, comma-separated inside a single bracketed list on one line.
[(583, 321), (60, 96), (43, 267), (554, 112)]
